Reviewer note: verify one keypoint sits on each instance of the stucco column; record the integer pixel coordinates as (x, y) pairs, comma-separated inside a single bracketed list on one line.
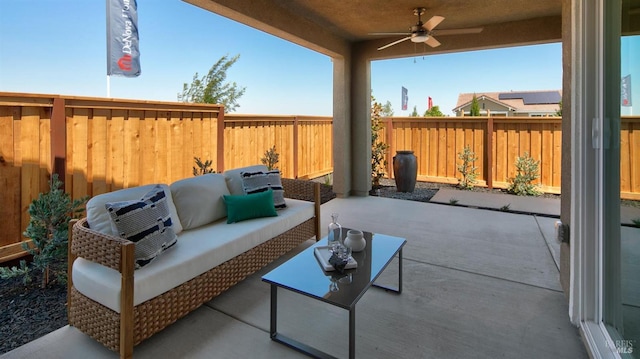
[(342, 126), (360, 122)]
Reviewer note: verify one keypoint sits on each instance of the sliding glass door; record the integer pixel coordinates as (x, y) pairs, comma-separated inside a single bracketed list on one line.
[(605, 172), (621, 239)]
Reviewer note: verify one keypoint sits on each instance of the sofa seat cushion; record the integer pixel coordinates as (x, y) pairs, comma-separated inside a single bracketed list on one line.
[(197, 251), (99, 218)]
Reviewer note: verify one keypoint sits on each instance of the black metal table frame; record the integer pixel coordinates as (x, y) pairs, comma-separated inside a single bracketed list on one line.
[(313, 352)]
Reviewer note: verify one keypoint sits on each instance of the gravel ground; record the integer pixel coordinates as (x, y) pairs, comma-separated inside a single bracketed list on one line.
[(424, 191)]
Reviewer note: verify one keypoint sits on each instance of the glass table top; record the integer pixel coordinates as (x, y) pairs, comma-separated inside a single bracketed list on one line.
[(304, 274)]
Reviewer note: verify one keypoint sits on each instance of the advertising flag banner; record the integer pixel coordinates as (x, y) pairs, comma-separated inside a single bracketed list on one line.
[(405, 98), (625, 91), (430, 103), (123, 55)]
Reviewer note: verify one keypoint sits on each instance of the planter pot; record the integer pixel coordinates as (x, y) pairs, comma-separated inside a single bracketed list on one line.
[(405, 170)]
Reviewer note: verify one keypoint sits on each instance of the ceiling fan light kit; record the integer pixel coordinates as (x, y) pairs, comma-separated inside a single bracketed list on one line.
[(422, 32), (419, 37)]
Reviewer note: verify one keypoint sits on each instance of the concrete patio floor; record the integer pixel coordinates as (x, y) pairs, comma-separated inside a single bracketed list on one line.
[(477, 284)]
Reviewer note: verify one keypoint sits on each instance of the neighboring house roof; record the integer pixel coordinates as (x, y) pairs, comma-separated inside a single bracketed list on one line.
[(520, 101)]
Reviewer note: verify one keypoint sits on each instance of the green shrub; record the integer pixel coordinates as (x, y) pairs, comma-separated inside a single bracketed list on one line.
[(328, 179), (526, 172), (467, 169), (203, 167), (48, 229), (378, 147), (271, 158)]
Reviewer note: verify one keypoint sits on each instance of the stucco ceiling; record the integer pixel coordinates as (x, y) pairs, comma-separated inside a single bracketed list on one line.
[(335, 27), (354, 20)]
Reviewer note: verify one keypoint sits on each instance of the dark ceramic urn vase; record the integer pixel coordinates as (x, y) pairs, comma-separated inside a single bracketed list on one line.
[(405, 170)]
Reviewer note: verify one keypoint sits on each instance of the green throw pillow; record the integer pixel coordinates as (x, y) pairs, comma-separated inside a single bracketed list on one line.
[(243, 207)]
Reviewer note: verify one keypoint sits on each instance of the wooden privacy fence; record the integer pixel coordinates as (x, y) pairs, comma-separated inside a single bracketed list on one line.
[(99, 145), (497, 142), (304, 143)]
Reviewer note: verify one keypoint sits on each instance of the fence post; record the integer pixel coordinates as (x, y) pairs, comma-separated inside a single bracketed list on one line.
[(389, 131), (489, 155), (220, 141), (295, 146), (58, 139)]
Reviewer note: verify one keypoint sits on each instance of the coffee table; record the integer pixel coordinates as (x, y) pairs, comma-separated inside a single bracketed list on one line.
[(304, 275)]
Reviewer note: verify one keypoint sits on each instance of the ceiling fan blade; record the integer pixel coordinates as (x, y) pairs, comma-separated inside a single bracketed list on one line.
[(394, 43), (431, 41), (387, 33), (433, 22), (470, 30)]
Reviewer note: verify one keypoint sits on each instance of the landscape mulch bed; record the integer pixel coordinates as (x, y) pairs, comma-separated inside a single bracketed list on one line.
[(29, 312)]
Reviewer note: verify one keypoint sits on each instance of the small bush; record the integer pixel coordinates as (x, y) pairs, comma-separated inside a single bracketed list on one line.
[(48, 228), (506, 207), (636, 222), (271, 158), (378, 147), (203, 167), (526, 172), (328, 179), (453, 201), (468, 171)]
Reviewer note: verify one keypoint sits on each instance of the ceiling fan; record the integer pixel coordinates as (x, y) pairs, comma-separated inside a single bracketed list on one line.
[(423, 32)]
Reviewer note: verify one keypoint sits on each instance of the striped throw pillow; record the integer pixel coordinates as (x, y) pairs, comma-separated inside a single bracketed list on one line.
[(255, 182), (146, 222)]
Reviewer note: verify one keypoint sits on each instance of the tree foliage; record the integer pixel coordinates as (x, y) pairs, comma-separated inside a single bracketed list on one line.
[(434, 111), (475, 107), (387, 110), (212, 87), (414, 113), (559, 110)]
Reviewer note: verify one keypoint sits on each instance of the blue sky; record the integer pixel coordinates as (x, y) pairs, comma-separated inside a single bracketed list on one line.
[(59, 47)]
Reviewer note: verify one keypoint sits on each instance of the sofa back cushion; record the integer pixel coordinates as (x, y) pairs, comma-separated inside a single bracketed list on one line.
[(234, 178), (100, 220), (199, 200)]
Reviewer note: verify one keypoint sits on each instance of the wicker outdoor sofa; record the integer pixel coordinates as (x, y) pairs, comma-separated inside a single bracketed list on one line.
[(114, 314)]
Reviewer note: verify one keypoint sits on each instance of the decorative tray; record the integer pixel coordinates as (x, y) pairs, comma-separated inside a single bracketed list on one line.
[(323, 254)]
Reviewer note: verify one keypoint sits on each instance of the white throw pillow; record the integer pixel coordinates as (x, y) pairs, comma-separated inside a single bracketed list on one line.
[(234, 180), (199, 200), (146, 222), (100, 220)]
